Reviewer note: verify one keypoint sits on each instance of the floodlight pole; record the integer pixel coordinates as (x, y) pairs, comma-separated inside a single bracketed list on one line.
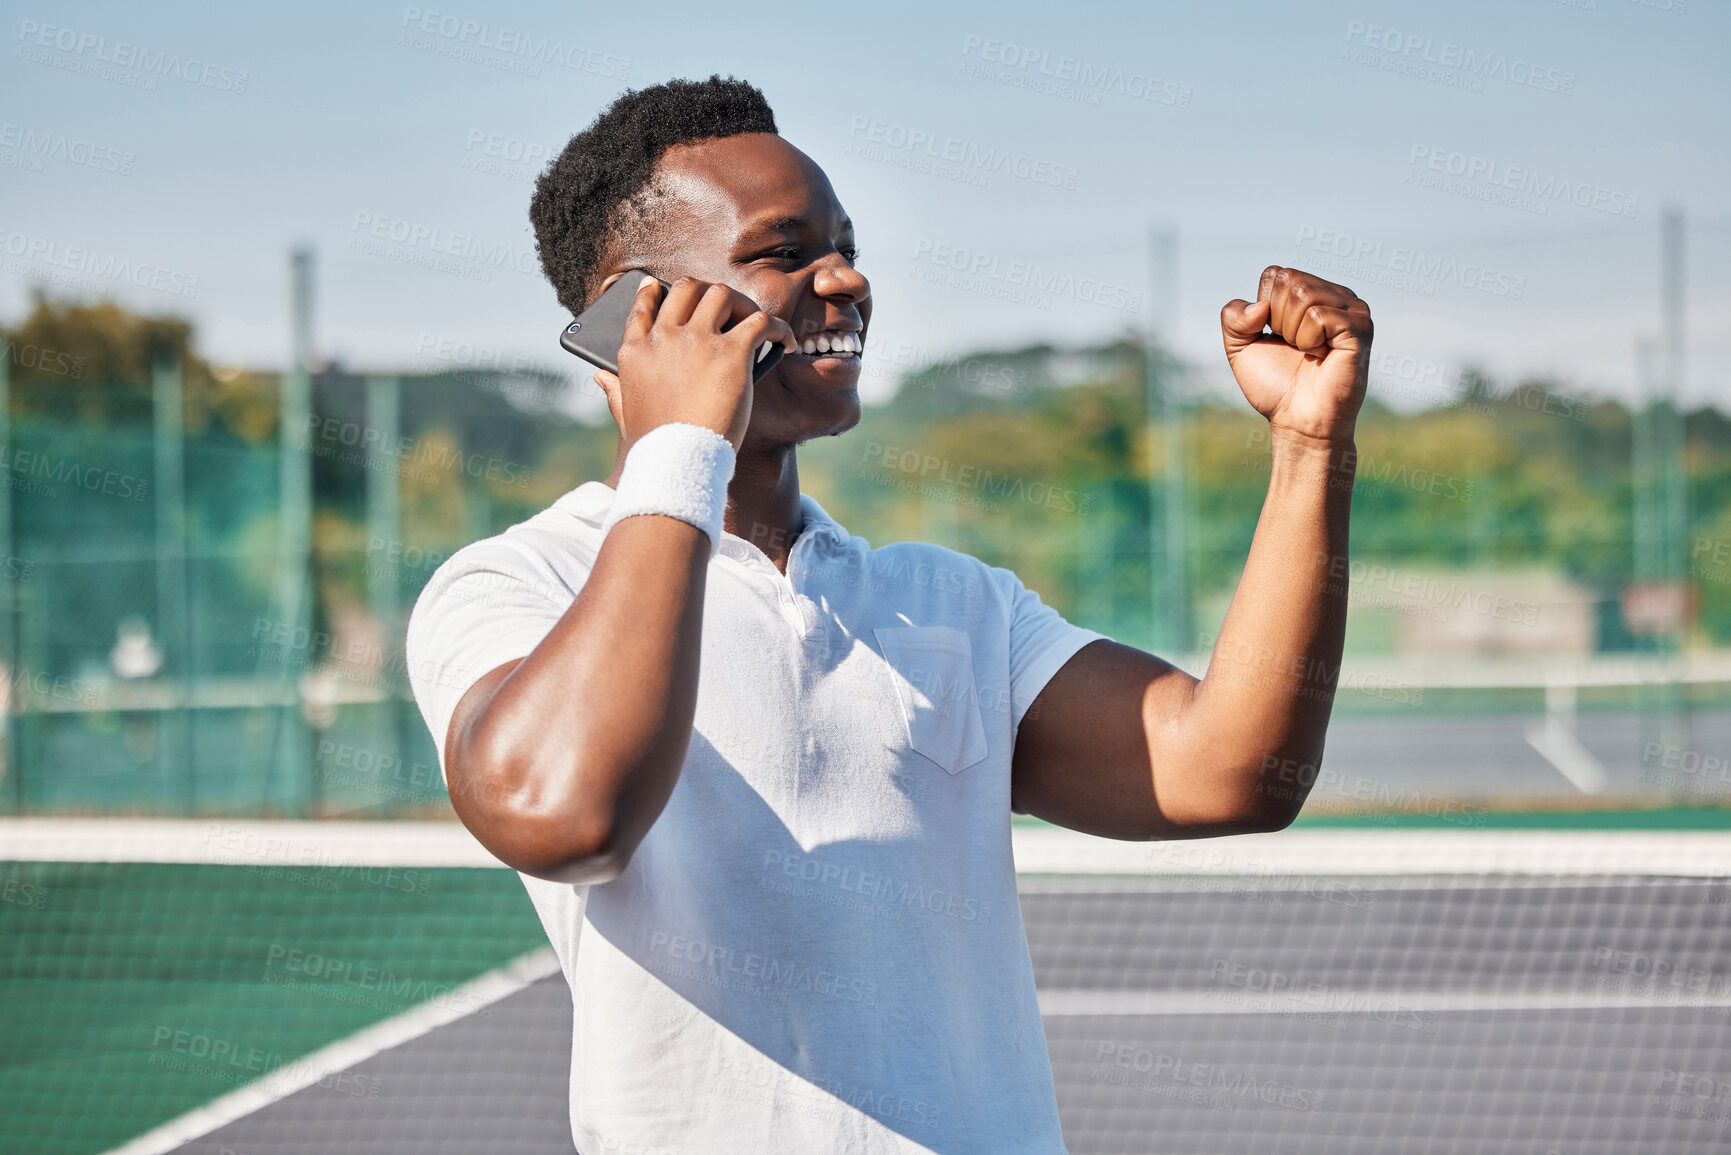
[(172, 622), (1169, 577), (294, 541)]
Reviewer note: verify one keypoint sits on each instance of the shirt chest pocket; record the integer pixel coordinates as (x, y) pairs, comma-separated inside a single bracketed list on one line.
[(932, 668)]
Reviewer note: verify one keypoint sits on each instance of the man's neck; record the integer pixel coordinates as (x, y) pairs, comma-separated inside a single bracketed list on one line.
[(762, 499)]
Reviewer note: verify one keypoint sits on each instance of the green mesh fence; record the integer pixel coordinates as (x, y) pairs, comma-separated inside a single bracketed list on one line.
[(132, 993)]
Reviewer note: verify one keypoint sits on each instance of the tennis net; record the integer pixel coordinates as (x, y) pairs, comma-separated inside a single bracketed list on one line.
[(279, 987)]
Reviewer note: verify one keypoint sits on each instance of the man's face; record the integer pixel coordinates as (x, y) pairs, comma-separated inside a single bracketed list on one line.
[(754, 213)]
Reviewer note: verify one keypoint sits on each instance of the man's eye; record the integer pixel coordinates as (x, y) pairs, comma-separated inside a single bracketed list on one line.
[(851, 253)]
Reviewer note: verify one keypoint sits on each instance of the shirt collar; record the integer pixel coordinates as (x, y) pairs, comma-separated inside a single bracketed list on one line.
[(591, 501)]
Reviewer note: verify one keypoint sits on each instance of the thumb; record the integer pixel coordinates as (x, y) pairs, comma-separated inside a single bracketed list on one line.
[(1241, 323), (608, 383)]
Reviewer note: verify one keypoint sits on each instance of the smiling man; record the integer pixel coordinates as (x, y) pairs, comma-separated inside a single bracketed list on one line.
[(758, 774)]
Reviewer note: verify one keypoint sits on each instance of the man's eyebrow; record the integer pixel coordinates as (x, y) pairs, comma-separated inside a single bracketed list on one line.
[(792, 224)]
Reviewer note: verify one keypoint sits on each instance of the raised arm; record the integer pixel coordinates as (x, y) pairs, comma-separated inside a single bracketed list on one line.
[(1123, 744), (560, 763)]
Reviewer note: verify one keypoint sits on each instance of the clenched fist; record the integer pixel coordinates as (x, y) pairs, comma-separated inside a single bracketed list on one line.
[(1307, 374)]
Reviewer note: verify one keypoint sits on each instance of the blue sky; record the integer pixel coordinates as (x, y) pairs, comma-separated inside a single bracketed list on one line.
[(1431, 156)]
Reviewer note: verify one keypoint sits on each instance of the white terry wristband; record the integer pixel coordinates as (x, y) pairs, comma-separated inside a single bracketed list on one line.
[(678, 470)]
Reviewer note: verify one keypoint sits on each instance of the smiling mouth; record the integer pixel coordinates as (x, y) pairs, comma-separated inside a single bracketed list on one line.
[(836, 343)]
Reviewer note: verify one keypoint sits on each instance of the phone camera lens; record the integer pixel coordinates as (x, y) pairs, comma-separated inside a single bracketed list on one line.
[(575, 325)]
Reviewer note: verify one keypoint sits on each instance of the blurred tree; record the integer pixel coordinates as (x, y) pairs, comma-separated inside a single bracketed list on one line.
[(90, 363)]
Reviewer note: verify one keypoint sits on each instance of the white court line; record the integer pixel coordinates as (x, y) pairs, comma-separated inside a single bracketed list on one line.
[(1286, 854), (345, 1053), (1308, 854), (1062, 1003), (221, 842)]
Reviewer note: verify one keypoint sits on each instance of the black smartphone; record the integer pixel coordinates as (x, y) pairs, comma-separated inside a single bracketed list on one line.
[(598, 331)]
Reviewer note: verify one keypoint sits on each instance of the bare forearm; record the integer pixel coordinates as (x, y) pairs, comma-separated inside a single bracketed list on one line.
[(577, 750), (1262, 709)]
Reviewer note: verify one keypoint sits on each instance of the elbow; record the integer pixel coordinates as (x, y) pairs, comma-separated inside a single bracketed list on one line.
[(566, 851), (1241, 802), (1252, 815), (540, 820), (1266, 819)]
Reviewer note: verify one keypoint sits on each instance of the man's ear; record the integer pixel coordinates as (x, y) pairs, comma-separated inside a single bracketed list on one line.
[(642, 265)]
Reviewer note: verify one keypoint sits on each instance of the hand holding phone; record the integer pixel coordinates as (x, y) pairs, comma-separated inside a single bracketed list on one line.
[(690, 351)]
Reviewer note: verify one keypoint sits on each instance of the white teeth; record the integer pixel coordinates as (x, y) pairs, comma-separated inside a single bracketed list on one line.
[(837, 343)]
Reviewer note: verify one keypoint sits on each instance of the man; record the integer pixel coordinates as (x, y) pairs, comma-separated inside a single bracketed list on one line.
[(762, 804)]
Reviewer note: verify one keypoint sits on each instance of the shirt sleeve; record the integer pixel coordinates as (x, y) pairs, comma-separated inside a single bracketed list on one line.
[(473, 617), (1041, 641)]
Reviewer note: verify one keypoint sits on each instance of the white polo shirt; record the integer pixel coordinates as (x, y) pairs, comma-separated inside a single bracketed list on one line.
[(817, 947)]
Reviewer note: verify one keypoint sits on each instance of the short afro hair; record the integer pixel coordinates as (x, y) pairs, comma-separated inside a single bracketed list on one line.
[(599, 190)]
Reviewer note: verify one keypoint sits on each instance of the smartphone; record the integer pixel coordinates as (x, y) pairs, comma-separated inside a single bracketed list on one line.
[(598, 331)]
